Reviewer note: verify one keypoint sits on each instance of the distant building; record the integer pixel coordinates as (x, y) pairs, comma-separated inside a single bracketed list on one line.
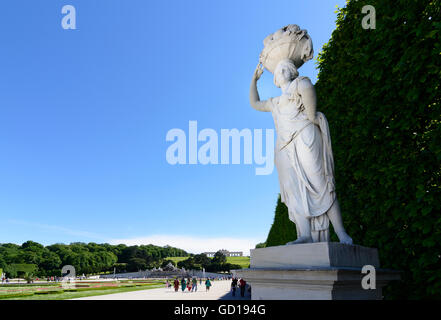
[(226, 253)]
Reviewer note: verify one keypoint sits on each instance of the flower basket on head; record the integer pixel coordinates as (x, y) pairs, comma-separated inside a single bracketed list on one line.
[(289, 42)]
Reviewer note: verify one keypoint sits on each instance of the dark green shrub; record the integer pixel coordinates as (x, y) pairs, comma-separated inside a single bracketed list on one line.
[(380, 90), (261, 245), (231, 266), (98, 288), (282, 230), (49, 292)]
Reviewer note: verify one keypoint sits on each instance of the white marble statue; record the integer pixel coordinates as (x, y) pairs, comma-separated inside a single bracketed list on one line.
[(303, 154)]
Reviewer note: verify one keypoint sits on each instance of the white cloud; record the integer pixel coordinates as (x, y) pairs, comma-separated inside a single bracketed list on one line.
[(193, 244)]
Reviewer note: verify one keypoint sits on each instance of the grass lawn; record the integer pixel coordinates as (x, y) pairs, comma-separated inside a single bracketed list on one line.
[(83, 290), (73, 295), (244, 262), (176, 259)]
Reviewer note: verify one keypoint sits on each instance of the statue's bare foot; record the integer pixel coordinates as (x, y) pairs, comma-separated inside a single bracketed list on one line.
[(345, 238), (300, 240)]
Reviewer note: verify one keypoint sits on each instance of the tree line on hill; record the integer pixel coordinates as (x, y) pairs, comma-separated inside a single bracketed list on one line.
[(91, 258), (216, 264)]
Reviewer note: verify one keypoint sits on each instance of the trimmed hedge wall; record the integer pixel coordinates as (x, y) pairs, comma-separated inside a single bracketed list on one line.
[(380, 90), (16, 295)]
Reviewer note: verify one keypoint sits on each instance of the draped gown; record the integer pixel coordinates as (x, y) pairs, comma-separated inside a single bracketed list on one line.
[(304, 161)]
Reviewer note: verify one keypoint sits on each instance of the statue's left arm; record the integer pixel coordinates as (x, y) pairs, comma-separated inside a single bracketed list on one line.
[(307, 92)]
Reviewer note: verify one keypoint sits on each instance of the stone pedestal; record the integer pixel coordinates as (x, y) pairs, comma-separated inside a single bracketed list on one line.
[(314, 271)]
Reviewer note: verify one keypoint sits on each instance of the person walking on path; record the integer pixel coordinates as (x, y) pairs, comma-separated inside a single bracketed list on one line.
[(242, 284), (176, 284), (234, 286), (207, 284), (183, 284), (194, 284), (189, 285)]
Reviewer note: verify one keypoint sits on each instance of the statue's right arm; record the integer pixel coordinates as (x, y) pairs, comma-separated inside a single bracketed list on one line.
[(255, 99)]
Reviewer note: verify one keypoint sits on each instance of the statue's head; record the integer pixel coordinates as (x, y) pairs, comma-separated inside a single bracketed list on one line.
[(285, 72)]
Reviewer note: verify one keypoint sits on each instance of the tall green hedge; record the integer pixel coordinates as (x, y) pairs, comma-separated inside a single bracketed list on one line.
[(380, 90), (282, 230)]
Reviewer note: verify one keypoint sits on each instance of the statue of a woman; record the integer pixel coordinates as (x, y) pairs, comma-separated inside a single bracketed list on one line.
[(303, 155)]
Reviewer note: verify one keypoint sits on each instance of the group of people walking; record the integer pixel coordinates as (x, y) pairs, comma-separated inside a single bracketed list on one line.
[(191, 284), (241, 283)]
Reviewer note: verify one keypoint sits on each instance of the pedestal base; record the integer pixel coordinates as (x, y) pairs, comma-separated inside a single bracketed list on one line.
[(315, 271)]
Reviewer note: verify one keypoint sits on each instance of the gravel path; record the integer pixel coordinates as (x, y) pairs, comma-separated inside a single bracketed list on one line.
[(220, 289)]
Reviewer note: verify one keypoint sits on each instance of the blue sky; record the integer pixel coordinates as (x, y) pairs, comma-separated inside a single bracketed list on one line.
[(84, 114)]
